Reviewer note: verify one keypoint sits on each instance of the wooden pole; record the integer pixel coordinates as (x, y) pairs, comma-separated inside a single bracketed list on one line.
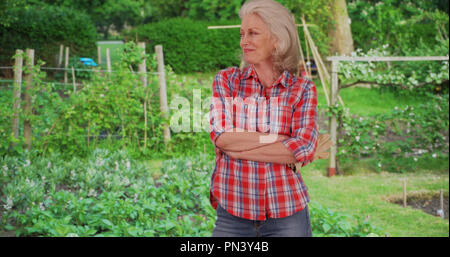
[(89, 134), (28, 103), (16, 93), (441, 194), (333, 121), (162, 91), (238, 26), (73, 81), (308, 45), (61, 53), (108, 61), (308, 67), (319, 63), (318, 60), (143, 76), (66, 64), (388, 58), (404, 193), (99, 55), (302, 56)]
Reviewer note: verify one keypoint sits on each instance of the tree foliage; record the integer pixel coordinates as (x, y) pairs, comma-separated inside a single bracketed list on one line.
[(402, 25)]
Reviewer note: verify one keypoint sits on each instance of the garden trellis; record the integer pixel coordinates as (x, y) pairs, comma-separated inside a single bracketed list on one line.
[(335, 60)]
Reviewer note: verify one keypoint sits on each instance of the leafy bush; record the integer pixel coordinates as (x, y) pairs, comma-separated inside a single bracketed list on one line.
[(44, 29), (327, 223), (189, 45)]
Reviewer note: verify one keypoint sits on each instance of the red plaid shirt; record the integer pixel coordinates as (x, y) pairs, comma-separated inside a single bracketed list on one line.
[(259, 190)]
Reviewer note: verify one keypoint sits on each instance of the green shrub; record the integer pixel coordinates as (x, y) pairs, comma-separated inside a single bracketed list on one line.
[(44, 29), (189, 46)]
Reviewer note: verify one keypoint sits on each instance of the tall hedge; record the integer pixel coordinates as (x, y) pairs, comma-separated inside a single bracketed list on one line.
[(189, 46), (44, 29)]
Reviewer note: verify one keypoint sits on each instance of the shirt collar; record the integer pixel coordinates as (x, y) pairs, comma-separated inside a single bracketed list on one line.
[(283, 79)]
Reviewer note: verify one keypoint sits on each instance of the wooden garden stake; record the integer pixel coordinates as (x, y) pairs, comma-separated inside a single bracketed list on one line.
[(73, 81), (317, 58), (99, 55), (16, 92), (66, 64), (143, 76), (89, 134), (333, 119), (108, 60), (28, 105), (404, 193), (162, 91), (61, 53), (308, 67), (441, 194)]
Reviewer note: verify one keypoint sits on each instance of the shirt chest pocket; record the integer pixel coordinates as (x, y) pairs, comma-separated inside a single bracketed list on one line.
[(245, 115), (275, 119), (283, 119)]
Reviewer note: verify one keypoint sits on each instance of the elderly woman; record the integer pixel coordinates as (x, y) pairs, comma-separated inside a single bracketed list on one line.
[(263, 120)]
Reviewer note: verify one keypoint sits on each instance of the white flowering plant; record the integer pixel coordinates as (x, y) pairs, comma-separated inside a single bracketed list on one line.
[(409, 133), (410, 77)]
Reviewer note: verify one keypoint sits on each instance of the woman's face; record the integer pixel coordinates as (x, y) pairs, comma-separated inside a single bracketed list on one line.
[(256, 42)]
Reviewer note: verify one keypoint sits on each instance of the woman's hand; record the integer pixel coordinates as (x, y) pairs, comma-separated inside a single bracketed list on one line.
[(324, 143)]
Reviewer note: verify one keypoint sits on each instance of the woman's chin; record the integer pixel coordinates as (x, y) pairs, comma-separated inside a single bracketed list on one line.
[(249, 61)]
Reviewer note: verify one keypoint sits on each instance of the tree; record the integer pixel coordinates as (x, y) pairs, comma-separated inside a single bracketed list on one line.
[(340, 33)]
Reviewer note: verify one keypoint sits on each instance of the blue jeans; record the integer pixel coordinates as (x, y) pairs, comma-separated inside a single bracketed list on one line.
[(296, 225)]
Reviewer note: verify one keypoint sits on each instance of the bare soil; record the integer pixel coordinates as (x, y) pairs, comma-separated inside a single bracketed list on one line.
[(428, 202)]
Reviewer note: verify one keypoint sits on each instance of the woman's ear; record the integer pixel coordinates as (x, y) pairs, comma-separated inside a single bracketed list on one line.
[(275, 45)]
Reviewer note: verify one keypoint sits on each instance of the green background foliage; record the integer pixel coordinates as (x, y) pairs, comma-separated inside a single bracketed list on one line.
[(44, 29), (189, 46)]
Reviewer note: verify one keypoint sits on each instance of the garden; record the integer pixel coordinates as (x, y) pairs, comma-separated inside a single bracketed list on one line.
[(99, 164)]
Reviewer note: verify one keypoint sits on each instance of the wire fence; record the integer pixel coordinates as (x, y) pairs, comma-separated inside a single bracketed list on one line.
[(68, 69), (86, 70)]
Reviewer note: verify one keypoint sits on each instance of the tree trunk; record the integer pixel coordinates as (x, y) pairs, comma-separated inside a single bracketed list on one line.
[(340, 32)]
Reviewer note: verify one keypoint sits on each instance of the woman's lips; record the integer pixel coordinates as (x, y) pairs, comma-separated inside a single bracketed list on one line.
[(248, 50)]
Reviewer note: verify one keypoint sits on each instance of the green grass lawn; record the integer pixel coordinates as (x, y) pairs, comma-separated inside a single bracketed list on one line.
[(366, 101), (365, 193)]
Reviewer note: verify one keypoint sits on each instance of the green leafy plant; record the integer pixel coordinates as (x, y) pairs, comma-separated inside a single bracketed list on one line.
[(111, 194)]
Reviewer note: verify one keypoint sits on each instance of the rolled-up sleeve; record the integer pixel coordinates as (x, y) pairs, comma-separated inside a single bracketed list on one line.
[(220, 115), (304, 130)]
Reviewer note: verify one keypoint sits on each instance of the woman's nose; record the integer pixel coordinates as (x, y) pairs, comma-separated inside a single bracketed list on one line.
[(244, 40)]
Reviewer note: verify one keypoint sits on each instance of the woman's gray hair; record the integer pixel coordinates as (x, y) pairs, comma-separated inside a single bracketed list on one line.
[(282, 26)]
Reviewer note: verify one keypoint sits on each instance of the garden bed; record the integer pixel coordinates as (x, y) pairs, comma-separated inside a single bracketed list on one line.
[(428, 202)]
